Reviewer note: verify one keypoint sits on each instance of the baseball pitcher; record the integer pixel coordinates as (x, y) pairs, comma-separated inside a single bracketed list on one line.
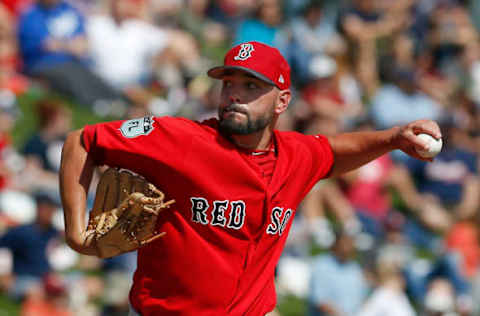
[(209, 204)]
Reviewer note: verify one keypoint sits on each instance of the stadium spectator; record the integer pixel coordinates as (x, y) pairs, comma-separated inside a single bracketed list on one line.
[(51, 35), (325, 200), (29, 245), (230, 12), (43, 149), (331, 94), (401, 56), (363, 24), (451, 180), (451, 30), (50, 300), (122, 45), (126, 51), (10, 79), (264, 26), (388, 298), (418, 271), (402, 101), (338, 285), (118, 273), (212, 37), (470, 60), (441, 299), (15, 7), (8, 155), (311, 34), (463, 240)]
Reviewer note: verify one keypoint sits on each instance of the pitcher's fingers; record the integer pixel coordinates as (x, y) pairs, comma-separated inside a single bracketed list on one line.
[(428, 127)]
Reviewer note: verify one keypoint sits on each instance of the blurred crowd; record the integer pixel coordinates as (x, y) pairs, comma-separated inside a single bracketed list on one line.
[(397, 237)]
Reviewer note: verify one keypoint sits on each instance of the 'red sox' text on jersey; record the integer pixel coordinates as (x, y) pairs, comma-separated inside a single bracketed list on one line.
[(227, 229)]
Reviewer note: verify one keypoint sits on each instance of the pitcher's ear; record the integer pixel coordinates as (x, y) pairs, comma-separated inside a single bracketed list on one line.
[(283, 99)]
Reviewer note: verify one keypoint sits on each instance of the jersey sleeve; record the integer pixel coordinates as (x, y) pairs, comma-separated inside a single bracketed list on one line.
[(317, 162), (322, 158), (306, 159), (140, 145), (324, 152)]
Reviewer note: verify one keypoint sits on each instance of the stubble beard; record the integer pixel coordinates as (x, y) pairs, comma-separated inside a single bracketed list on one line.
[(229, 126)]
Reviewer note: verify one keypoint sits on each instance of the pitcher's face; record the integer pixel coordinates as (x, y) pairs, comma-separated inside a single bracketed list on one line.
[(247, 104)]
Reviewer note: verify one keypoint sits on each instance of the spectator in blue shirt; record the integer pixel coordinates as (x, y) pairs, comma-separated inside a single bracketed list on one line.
[(402, 102), (338, 286), (448, 189), (29, 245), (451, 180), (51, 32), (312, 34), (264, 26), (51, 36)]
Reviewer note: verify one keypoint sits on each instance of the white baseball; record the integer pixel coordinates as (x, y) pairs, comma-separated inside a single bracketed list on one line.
[(434, 146)]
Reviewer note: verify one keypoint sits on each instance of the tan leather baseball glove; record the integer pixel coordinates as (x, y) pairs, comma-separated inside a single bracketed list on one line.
[(125, 212)]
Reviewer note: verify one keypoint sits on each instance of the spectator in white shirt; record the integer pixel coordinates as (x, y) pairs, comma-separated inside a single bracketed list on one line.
[(389, 297), (125, 50), (122, 45)]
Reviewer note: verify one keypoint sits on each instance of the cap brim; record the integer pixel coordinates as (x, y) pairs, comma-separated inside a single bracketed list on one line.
[(219, 72)]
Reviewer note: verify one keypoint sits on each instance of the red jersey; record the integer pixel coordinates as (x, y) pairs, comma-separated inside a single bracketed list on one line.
[(227, 229)]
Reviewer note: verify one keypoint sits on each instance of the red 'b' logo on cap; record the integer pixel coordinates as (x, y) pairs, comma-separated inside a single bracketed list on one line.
[(245, 52), (268, 63)]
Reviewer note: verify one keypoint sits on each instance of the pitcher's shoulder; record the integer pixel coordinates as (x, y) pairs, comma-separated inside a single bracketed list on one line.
[(188, 126)]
